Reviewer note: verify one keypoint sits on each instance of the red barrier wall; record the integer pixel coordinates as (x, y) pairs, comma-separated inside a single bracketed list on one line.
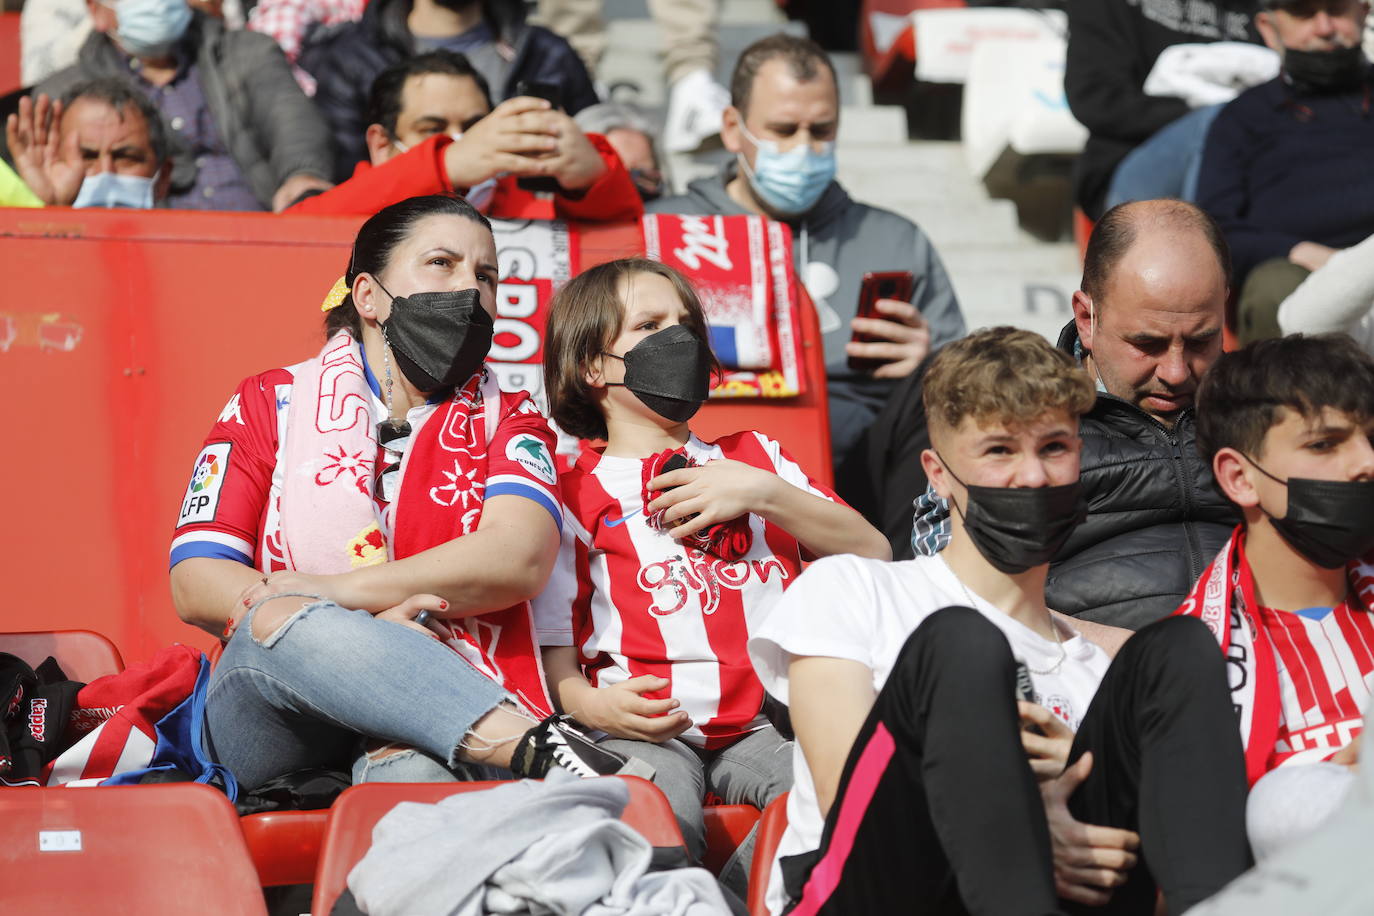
[(10, 79), (121, 336)]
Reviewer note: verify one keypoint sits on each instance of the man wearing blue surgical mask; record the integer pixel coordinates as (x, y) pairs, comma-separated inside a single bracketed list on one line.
[(243, 136), (101, 146), (782, 127)]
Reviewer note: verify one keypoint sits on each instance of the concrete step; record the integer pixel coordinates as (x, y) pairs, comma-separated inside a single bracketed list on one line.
[(876, 187), (950, 225), (879, 125), (1040, 304), (1033, 260)]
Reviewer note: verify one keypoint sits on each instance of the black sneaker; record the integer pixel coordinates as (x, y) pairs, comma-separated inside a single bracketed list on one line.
[(560, 743)]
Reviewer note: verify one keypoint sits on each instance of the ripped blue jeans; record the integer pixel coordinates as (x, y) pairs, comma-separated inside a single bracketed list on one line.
[(305, 695)]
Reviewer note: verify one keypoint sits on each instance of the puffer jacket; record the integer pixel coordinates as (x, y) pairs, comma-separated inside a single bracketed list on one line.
[(1155, 516), (345, 60), (268, 125)]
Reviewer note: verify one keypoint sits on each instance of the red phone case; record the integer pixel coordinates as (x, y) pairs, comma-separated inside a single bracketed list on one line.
[(890, 284)]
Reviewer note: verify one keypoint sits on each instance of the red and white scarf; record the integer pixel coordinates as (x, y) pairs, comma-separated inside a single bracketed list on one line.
[(1224, 599), (329, 520)]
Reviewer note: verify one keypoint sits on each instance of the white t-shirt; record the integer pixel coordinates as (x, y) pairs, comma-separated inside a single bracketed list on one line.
[(864, 610)]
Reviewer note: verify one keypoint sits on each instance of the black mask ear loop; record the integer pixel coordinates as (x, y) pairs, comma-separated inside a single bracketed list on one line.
[(1256, 465), (603, 380), (950, 471)]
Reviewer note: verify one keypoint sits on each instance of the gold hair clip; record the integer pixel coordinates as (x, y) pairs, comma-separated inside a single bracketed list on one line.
[(337, 293)]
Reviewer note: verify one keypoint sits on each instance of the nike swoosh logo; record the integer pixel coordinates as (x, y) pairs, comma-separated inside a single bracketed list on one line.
[(616, 522)]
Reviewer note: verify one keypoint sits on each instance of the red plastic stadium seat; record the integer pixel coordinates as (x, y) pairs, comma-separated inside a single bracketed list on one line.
[(162, 850), (726, 828), (349, 831), (83, 654), (771, 827), (285, 845), (892, 66)]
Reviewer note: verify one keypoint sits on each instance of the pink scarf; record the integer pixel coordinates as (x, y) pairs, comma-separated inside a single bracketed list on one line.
[(1224, 599), (328, 518)]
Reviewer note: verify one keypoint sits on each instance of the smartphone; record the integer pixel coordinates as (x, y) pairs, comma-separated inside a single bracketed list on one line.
[(553, 94), (1025, 690), (887, 284)]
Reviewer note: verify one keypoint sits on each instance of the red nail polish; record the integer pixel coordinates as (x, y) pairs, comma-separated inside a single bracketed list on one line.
[(443, 605)]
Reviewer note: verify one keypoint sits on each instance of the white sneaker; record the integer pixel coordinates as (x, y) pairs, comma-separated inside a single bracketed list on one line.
[(695, 105)]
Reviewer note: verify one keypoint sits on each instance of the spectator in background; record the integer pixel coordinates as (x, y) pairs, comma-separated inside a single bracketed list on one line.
[(631, 135), (782, 126), (1336, 297), (433, 131), (244, 136), (51, 32), (690, 54), (102, 146), (289, 21), (1139, 146), (492, 34), (1147, 326), (1287, 168)]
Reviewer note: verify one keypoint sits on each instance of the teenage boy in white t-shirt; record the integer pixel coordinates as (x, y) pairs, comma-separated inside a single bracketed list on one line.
[(1288, 425), (912, 781)]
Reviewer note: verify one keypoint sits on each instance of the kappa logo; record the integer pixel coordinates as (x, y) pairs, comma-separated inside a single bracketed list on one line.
[(232, 411), (531, 454), (38, 718), (202, 495)]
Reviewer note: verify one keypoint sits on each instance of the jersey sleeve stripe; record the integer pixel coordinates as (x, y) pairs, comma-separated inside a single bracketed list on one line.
[(516, 486), (208, 549)]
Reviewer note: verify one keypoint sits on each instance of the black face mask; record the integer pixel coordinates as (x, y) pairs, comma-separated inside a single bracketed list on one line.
[(670, 371), (439, 339), (1336, 70), (1015, 528), (1331, 522)]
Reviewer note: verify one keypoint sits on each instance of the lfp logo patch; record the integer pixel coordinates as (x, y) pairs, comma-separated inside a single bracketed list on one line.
[(202, 495), (533, 456)]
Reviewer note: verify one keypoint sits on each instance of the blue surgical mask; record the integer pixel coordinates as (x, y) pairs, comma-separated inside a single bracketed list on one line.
[(151, 28), (789, 183), (108, 189)]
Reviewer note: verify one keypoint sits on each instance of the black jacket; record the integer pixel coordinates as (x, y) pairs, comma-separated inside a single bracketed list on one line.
[(1284, 165), (345, 59), (1113, 45), (1155, 516)]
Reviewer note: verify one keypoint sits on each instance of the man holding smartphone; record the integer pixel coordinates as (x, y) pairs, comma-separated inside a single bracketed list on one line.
[(782, 124), (433, 130)]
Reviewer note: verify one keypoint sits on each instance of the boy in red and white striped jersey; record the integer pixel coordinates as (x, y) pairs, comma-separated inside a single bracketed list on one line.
[(674, 550), (1289, 427)]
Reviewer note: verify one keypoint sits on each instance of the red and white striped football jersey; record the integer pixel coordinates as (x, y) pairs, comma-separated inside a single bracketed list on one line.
[(1325, 659), (635, 601)]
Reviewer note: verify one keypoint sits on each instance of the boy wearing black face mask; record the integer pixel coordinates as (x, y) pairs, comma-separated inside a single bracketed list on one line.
[(911, 781), (1288, 424)]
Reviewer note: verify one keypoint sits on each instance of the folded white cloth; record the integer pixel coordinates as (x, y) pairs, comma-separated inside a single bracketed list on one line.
[(1210, 73)]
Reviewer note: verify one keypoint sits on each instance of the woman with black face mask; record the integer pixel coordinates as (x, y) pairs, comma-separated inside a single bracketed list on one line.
[(365, 529)]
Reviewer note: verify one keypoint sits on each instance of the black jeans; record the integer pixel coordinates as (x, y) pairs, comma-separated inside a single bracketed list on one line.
[(938, 810)]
